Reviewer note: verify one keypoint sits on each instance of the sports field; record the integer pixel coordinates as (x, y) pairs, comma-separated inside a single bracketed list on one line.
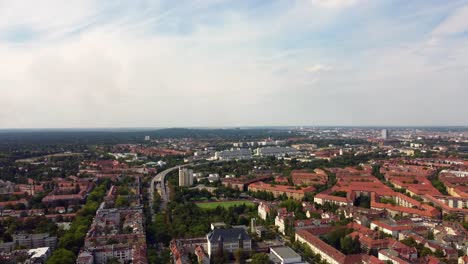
[(225, 204)]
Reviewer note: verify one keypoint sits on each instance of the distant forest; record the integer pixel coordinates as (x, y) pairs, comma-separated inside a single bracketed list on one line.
[(115, 136)]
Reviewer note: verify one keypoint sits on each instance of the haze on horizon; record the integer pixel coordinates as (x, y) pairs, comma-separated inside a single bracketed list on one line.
[(195, 63)]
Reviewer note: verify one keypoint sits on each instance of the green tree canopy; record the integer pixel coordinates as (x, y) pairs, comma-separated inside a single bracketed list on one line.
[(260, 258), (62, 256)]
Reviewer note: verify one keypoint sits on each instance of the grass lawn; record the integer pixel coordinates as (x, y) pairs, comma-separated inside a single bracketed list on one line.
[(225, 204)]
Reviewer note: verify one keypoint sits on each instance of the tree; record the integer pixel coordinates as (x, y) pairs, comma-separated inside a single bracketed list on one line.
[(239, 256), (439, 253), (62, 256), (425, 251), (113, 261), (121, 202), (260, 258), (409, 241), (219, 257), (430, 236), (350, 246)]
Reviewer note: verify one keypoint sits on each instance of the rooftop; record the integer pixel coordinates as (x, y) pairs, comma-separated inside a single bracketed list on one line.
[(284, 252), (228, 235)]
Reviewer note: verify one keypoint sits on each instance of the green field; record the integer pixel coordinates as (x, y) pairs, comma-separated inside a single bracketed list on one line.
[(226, 204)]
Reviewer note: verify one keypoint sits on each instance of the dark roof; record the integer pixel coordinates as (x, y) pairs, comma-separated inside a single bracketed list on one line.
[(228, 235)]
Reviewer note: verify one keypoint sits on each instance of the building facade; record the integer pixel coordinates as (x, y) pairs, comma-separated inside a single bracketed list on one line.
[(185, 177), (229, 239)]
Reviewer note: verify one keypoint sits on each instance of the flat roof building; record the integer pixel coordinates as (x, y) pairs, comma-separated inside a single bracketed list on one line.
[(284, 255)]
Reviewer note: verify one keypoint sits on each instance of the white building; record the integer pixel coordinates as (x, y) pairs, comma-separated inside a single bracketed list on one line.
[(284, 255), (460, 174), (262, 210), (282, 219), (185, 177), (39, 255), (275, 151), (385, 134), (213, 177), (233, 154)]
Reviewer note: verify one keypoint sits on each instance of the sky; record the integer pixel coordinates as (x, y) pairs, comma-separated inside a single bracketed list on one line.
[(165, 63)]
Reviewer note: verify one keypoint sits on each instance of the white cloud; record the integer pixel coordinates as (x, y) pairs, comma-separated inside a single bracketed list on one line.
[(318, 68), (334, 3), (46, 16), (126, 70), (456, 23)]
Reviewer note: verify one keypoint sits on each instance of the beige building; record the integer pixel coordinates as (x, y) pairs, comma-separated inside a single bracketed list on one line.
[(185, 177)]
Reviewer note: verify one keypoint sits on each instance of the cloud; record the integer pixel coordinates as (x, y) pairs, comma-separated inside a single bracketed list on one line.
[(48, 16), (318, 68), (456, 23), (334, 3), (163, 63)]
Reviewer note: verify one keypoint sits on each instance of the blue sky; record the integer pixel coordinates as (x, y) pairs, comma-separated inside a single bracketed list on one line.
[(138, 63)]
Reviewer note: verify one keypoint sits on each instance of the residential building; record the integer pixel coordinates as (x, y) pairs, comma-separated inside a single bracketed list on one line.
[(304, 177), (284, 218), (229, 239), (35, 240), (390, 255), (390, 227), (185, 177), (327, 252), (266, 208), (243, 182), (278, 190)]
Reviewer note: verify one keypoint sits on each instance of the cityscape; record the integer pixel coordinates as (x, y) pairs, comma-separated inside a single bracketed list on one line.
[(235, 195), (233, 132)]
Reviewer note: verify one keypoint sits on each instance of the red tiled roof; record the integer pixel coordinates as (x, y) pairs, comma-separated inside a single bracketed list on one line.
[(281, 188)]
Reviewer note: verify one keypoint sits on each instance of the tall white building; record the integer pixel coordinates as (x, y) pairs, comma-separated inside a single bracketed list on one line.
[(385, 134), (185, 177)]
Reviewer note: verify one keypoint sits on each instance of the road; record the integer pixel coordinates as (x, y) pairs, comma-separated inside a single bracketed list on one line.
[(159, 182)]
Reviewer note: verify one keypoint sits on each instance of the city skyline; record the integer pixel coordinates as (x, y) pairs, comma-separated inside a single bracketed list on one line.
[(219, 63)]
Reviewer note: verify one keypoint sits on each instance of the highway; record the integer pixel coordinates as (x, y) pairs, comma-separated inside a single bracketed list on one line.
[(159, 182)]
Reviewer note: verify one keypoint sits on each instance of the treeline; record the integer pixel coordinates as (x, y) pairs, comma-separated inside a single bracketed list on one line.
[(438, 184), (19, 149), (115, 136), (347, 160), (307, 253), (188, 220), (294, 206), (340, 240), (321, 143), (30, 225), (183, 218), (241, 167), (73, 239), (183, 194)]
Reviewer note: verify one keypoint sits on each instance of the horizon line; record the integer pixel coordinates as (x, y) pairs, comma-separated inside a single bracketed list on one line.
[(236, 127)]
